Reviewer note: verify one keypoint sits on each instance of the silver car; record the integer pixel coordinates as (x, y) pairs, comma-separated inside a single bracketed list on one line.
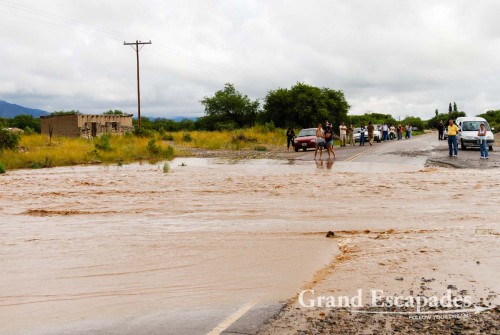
[(377, 136)]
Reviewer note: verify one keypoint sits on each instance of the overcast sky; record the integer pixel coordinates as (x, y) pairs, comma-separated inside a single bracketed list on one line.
[(403, 57)]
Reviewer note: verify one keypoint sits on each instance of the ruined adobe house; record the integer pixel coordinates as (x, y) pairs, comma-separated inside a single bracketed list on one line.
[(85, 125)]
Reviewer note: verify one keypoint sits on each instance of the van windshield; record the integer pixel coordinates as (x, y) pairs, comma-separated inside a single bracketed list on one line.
[(474, 125)]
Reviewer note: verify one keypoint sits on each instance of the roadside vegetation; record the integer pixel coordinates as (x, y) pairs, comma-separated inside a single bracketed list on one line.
[(493, 118), (253, 137), (38, 151)]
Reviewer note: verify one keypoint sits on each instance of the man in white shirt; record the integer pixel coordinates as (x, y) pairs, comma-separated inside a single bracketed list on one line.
[(343, 134), (385, 132)]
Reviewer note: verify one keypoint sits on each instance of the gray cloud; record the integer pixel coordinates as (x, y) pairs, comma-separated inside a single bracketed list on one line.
[(388, 56)]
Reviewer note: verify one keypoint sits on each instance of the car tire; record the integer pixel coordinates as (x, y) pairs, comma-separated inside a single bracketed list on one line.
[(305, 149), (462, 145), (296, 149)]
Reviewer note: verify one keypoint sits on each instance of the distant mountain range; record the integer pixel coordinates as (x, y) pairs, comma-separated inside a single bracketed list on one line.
[(8, 110), (180, 118)]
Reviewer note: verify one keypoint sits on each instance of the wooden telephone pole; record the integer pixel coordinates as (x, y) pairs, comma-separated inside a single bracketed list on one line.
[(137, 46)]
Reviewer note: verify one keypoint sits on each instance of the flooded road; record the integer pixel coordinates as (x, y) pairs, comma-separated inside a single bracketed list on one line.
[(130, 249), (97, 246)]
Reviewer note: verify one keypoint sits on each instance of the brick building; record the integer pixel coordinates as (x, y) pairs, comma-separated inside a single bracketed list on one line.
[(85, 125)]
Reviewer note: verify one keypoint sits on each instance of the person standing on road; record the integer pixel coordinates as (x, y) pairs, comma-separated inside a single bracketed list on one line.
[(452, 139), (385, 132), (440, 130), (392, 132), (482, 142), (343, 134), (329, 141), (290, 136), (371, 129), (362, 136), (407, 128), (320, 141), (400, 132), (351, 134)]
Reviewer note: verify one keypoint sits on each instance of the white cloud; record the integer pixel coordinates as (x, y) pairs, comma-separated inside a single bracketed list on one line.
[(388, 56)]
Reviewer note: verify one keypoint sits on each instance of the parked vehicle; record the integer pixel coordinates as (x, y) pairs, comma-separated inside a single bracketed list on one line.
[(467, 132), (357, 134), (306, 139), (377, 134)]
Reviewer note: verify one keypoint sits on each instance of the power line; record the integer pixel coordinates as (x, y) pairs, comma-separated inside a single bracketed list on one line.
[(137, 49)]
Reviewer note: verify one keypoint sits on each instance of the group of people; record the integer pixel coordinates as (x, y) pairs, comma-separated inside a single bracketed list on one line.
[(324, 139), (325, 136), (453, 143), (388, 132)]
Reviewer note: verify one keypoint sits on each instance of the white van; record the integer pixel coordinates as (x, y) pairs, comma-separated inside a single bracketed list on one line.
[(467, 132)]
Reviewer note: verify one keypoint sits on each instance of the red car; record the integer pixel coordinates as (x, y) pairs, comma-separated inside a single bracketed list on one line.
[(305, 140)]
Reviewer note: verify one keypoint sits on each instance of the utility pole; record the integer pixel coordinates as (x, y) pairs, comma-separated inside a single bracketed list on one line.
[(135, 45)]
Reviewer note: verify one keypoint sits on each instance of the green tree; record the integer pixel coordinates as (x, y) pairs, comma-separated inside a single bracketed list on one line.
[(230, 106), (415, 122), (8, 139), (493, 118), (375, 118), (25, 122), (455, 109), (437, 112), (449, 109), (304, 106), (433, 123)]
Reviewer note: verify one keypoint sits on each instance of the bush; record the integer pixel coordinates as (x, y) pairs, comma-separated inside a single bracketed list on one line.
[(260, 148), (103, 143), (36, 165), (269, 126), (3, 169), (241, 137), (8, 139), (186, 137), (28, 131), (143, 132), (166, 168), (157, 151), (167, 137), (153, 148)]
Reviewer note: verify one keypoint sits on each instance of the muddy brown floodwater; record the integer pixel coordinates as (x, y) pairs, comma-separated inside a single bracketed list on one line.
[(84, 249)]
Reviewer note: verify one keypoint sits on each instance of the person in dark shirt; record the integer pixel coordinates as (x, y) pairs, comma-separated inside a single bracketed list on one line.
[(441, 130), (329, 141), (290, 136)]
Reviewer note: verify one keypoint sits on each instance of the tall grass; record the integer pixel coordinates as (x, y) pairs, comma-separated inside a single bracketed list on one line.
[(232, 140), (38, 151)]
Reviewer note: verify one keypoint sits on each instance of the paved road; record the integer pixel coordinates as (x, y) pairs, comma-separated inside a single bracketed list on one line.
[(415, 151)]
